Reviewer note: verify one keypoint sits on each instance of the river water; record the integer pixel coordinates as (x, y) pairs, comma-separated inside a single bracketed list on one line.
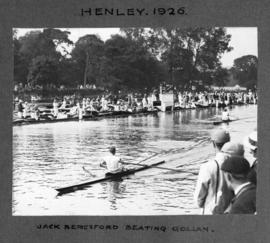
[(49, 156)]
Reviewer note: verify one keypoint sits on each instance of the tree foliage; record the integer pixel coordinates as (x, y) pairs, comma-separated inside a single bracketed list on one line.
[(189, 54), (43, 71), (138, 59), (245, 70), (36, 44), (130, 65), (221, 77), (87, 53)]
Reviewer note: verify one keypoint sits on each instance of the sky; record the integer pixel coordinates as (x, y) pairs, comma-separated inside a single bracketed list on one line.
[(244, 40)]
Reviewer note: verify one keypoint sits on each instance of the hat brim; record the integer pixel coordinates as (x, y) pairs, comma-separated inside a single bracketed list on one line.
[(247, 143)]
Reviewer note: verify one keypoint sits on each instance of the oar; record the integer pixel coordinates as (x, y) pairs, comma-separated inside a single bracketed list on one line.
[(148, 158), (245, 118), (159, 167), (197, 162), (88, 172)]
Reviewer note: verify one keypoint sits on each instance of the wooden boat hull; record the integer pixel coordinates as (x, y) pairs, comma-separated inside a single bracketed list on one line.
[(202, 106), (220, 122), (214, 122), (110, 177), (33, 121)]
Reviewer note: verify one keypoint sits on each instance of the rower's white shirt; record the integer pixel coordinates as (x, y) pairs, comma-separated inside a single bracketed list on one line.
[(113, 163), (225, 115)]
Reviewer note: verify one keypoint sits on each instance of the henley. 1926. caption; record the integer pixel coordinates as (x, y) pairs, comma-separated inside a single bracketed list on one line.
[(157, 11)]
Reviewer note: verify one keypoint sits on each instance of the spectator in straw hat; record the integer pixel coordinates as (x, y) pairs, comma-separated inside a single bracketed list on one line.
[(209, 179), (251, 143), (236, 170)]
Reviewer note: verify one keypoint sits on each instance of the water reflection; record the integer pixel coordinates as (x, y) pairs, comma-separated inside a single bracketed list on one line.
[(47, 156)]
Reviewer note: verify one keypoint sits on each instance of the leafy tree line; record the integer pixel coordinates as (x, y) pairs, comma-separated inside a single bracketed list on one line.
[(245, 71), (138, 59)]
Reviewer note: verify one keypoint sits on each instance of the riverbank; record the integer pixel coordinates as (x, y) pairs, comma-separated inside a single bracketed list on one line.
[(47, 115)]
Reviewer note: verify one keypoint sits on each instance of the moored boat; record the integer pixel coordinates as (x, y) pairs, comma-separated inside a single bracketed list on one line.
[(202, 105), (95, 115)]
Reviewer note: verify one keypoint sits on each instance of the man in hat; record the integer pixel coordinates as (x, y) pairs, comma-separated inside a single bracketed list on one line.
[(210, 180), (225, 194), (112, 163), (251, 142), (236, 170)]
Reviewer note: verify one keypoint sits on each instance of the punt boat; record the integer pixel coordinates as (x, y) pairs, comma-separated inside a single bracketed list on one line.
[(110, 177)]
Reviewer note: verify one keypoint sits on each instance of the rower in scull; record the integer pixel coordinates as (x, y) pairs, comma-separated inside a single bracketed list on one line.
[(225, 115), (112, 163)]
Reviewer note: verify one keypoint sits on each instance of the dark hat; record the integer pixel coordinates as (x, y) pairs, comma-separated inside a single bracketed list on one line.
[(112, 149), (236, 165)]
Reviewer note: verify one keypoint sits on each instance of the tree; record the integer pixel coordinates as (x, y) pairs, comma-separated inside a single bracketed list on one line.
[(189, 54), (221, 76), (34, 44), (20, 67), (46, 43), (129, 65), (87, 53), (69, 73), (245, 70), (43, 71)]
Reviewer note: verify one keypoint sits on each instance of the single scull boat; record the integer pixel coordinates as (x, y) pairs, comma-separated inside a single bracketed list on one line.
[(110, 177), (223, 121)]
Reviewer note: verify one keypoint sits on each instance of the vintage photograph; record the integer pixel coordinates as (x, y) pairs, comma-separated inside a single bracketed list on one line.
[(134, 121)]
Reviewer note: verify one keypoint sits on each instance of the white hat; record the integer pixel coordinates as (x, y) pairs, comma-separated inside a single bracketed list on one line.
[(251, 141)]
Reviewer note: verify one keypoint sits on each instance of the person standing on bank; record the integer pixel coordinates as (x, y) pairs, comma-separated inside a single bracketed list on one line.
[(20, 109), (112, 163), (236, 170), (210, 180), (212, 192)]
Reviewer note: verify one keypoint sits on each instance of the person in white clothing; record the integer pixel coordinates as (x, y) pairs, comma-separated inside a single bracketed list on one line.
[(112, 163), (55, 108), (225, 115)]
